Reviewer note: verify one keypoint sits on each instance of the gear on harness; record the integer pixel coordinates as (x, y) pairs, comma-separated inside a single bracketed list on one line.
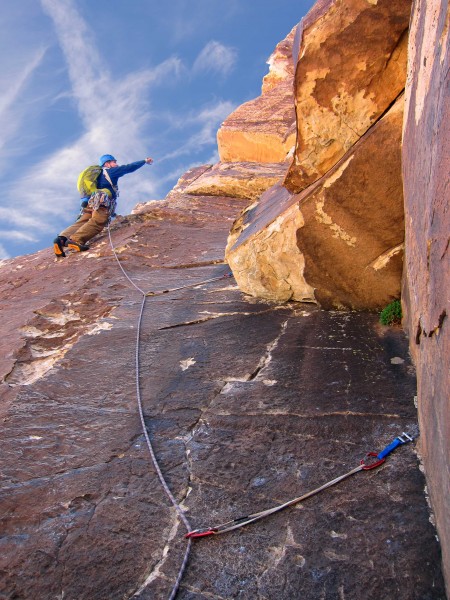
[(93, 198), (363, 466)]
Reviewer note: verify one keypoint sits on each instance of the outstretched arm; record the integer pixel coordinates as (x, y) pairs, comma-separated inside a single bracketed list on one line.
[(116, 172)]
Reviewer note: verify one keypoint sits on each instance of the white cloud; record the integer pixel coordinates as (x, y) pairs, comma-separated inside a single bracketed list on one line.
[(215, 57), (3, 253), (113, 114), (20, 218), (207, 122), (189, 19), (11, 110), (14, 234)]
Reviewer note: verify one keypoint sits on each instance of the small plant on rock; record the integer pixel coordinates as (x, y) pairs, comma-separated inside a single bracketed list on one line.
[(391, 314)]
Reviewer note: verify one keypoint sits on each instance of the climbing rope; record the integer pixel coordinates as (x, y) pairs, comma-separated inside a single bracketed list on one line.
[(241, 521), (161, 292), (228, 526), (166, 488), (189, 285), (120, 265)]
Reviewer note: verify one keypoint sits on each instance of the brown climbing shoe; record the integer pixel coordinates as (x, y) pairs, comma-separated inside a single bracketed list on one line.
[(58, 246), (77, 246)]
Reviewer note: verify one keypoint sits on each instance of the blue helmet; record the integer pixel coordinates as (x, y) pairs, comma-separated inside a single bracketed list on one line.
[(105, 158)]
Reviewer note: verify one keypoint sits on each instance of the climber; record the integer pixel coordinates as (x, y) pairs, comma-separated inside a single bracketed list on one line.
[(100, 206)]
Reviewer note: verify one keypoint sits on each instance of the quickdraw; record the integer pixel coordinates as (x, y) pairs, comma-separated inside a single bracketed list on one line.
[(241, 521), (364, 465)]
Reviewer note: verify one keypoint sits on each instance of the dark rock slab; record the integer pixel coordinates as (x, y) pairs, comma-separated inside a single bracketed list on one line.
[(247, 403)]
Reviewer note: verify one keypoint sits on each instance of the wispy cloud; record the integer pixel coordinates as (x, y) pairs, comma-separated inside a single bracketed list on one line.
[(14, 234), (21, 219), (215, 57), (113, 114), (206, 123), (187, 19), (3, 253), (11, 111)]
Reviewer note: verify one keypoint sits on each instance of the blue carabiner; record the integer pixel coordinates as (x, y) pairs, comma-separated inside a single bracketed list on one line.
[(399, 441)]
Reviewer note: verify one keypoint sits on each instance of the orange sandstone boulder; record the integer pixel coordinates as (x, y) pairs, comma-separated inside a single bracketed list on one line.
[(263, 130), (262, 250), (237, 180), (281, 66), (339, 242), (351, 67)]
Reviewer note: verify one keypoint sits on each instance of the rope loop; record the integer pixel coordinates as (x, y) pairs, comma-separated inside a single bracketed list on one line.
[(166, 488)]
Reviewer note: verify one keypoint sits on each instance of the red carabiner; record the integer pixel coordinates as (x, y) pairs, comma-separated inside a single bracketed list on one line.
[(373, 465), (201, 532)]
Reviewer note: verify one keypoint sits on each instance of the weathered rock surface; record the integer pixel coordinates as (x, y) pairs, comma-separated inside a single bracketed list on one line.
[(281, 66), (262, 249), (351, 65), (340, 241), (426, 168), (239, 180), (248, 404), (263, 130)]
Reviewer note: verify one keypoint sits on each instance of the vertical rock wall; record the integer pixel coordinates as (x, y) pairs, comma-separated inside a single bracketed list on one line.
[(340, 241), (263, 130), (350, 68), (335, 233), (426, 168)]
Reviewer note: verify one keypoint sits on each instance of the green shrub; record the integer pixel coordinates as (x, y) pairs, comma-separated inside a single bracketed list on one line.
[(391, 314)]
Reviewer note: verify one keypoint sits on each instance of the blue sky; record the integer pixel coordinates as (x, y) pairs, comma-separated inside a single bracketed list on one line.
[(133, 78)]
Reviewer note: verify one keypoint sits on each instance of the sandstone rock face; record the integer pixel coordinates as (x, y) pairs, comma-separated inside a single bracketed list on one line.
[(263, 130), (339, 242), (281, 66), (262, 249), (351, 66), (238, 180), (247, 403), (426, 168)]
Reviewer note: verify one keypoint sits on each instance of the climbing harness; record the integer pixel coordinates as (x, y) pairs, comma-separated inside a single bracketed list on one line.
[(166, 488), (103, 198), (363, 466)]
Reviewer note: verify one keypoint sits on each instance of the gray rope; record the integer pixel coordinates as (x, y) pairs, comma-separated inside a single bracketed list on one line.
[(144, 428), (118, 262)]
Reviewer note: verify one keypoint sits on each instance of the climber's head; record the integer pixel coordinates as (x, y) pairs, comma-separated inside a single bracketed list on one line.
[(105, 159)]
